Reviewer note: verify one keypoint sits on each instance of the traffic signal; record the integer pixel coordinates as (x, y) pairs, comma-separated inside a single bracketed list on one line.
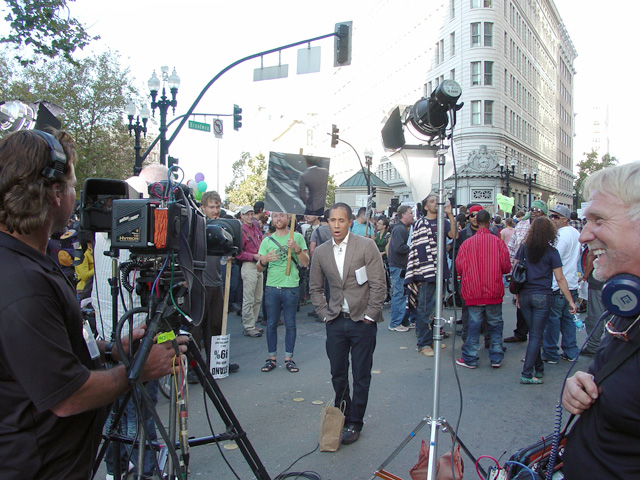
[(342, 44), (373, 191), (172, 161), (334, 136), (237, 117)]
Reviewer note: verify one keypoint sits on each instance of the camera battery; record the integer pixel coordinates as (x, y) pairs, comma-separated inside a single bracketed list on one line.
[(132, 224)]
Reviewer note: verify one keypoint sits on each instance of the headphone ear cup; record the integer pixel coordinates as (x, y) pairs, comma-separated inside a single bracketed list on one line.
[(621, 295)]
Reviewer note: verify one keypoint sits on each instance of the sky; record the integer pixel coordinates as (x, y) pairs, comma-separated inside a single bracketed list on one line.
[(201, 37)]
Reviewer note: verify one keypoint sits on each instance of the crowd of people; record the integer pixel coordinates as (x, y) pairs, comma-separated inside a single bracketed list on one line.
[(348, 265)]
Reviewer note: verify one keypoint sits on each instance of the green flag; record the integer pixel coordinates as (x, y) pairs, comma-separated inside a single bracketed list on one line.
[(505, 203)]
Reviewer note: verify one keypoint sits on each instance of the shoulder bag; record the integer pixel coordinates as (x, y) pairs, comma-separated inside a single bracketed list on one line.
[(518, 273)]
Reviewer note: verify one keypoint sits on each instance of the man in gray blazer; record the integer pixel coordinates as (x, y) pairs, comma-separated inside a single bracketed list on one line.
[(352, 266), (313, 187)]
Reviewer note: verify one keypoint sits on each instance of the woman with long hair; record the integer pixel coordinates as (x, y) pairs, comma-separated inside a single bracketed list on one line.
[(542, 261)]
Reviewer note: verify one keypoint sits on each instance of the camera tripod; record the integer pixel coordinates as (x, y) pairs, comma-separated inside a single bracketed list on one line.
[(169, 463)]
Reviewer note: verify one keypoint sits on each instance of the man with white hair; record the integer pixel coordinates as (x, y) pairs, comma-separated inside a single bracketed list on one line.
[(605, 440)]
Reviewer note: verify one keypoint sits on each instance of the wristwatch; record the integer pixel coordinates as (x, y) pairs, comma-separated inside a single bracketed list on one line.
[(108, 357)]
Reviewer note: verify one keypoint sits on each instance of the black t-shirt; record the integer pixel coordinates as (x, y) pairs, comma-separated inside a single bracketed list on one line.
[(43, 360), (540, 274), (604, 443)]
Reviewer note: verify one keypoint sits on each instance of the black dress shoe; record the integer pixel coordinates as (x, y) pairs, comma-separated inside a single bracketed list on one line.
[(514, 339), (233, 367), (350, 435)]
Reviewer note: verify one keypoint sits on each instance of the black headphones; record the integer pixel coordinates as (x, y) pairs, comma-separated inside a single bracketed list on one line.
[(58, 158), (621, 295)]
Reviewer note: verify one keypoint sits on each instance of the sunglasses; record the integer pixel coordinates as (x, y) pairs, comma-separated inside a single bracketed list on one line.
[(553, 216), (473, 215), (537, 210), (622, 336)]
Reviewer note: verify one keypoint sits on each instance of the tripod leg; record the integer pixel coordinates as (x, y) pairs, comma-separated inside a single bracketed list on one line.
[(226, 413)]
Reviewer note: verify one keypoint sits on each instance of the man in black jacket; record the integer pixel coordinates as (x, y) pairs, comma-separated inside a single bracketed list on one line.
[(397, 258)]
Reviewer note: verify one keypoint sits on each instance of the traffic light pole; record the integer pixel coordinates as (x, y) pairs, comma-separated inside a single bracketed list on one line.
[(225, 70)]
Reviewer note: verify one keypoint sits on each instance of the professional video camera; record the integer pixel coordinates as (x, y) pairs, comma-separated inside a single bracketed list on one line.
[(168, 236)]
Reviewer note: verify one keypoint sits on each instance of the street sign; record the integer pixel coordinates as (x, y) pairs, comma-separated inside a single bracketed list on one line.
[(217, 128), (203, 127)]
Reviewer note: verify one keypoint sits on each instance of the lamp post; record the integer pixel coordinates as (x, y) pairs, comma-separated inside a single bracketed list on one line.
[(507, 171), (530, 178), (164, 103), (368, 157), (138, 128)]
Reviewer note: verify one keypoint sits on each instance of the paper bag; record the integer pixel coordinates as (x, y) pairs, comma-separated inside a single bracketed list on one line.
[(331, 424)]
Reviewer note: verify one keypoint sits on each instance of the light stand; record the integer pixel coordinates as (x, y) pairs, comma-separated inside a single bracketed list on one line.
[(164, 103), (430, 117), (530, 178), (137, 128)]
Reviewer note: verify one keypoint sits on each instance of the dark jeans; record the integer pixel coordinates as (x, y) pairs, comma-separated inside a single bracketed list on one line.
[(426, 307), (595, 309), (211, 324), (344, 337), (522, 328), (535, 308), (285, 299), (491, 315), (560, 321)]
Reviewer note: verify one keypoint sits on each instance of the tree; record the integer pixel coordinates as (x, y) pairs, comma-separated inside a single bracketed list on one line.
[(331, 192), (591, 164), (249, 183), (45, 27), (94, 94)]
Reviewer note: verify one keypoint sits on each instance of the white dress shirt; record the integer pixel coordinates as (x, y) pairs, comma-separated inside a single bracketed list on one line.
[(339, 251)]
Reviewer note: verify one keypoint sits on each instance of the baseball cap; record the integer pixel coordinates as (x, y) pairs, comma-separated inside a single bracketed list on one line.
[(246, 209), (541, 205), (561, 210), (476, 208)]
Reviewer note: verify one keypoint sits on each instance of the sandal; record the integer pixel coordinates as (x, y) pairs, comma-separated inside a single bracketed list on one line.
[(291, 366), (269, 365), (531, 381)]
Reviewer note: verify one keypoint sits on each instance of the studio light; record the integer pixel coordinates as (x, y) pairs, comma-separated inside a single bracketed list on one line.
[(428, 117), (16, 115)]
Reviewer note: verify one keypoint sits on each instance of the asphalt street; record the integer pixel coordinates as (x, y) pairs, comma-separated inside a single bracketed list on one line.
[(280, 411)]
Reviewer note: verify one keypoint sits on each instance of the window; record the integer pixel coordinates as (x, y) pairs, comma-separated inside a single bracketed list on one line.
[(437, 54), (481, 3), (452, 74), (452, 40), (488, 73), (488, 112), (453, 8), (475, 34), (441, 59), (475, 73), (488, 34), (475, 112)]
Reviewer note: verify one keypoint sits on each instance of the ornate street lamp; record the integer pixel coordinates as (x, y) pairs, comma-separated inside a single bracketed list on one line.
[(530, 178), (164, 103), (507, 170), (137, 128), (368, 157)]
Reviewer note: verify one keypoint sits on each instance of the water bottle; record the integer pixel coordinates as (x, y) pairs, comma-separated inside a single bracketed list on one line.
[(577, 321)]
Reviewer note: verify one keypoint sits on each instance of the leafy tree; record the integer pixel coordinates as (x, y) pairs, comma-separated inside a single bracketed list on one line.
[(44, 27), (591, 164), (331, 192), (249, 183), (93, 94)]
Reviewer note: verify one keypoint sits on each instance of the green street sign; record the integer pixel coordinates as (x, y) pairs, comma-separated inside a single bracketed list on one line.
[(203, 127)]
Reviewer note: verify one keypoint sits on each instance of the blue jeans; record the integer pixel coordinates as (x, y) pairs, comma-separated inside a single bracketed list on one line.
[(398, 299), (560, 321), (426, 306), (492, 315), (129, 428), (535, 308), (275, 300)]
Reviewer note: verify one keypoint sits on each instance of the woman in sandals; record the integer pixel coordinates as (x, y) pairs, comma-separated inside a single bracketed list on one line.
[(281, 290), (534, 299)]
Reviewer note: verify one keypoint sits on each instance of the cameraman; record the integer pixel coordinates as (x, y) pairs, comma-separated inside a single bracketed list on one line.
[(53, 389)]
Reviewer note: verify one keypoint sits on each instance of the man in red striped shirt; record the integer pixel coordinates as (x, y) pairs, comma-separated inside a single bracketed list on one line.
[(482, 260)]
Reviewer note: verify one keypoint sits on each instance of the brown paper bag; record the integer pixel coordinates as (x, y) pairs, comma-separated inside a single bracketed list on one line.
[(331, 424)]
